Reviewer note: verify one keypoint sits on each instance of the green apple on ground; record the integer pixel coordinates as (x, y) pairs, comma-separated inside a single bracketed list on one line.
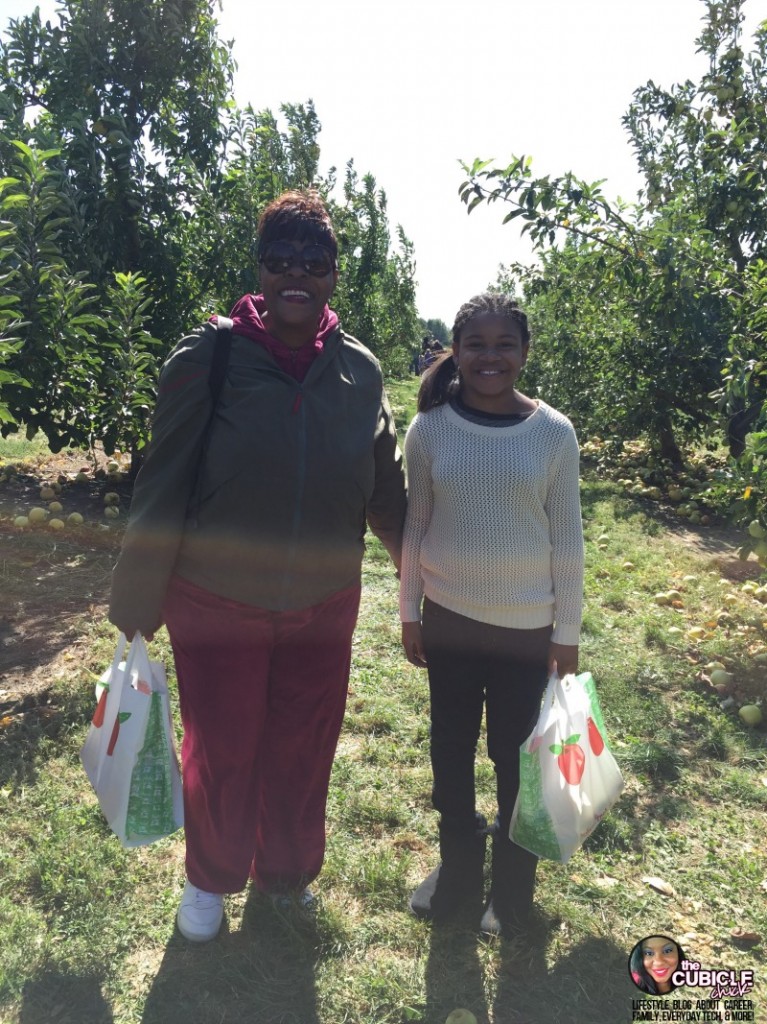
[(21, 522), (38, 515), (721, 676), (75, 519), (751, 714), (56, 524)]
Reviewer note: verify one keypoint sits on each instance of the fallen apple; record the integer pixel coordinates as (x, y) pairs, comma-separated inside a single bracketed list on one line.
[(56, 524), (720, 675), (38, 515), (75, 519), (111, 498), (47, 493), (55, 507), (628, 566), (111, 512), (751, 714), (460, 1016), (21, 522)]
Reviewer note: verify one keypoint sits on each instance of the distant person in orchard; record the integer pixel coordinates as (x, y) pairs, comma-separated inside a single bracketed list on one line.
[(249, 549), (491, 593)]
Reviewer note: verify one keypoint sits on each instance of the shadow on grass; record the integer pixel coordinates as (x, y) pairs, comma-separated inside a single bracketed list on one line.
[(454, 976), (589, 984), (262, 973), (56, 998)]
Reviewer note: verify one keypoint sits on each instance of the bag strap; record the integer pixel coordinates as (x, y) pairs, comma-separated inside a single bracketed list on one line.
[(219, 363), (216, 376)]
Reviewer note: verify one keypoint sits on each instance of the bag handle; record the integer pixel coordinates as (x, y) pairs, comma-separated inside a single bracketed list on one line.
[(122, 641), (547, 705), (138, 662)]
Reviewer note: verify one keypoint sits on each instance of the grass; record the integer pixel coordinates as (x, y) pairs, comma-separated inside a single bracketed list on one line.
[(86, 928)]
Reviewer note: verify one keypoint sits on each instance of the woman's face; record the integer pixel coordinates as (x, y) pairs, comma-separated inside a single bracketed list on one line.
[(294, 297), (660, 957)]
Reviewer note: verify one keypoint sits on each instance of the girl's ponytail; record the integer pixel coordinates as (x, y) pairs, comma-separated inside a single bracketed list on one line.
[(438, 383)]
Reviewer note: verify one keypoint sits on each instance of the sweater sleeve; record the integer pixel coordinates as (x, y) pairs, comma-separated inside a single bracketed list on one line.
[(163, 487), (563, 507), (419, 512), (386, 509)]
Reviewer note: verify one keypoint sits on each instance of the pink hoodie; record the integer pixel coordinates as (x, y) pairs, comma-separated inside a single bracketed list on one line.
[(247, 317)]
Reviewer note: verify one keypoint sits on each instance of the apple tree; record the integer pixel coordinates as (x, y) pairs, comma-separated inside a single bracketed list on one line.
[(651, 284)]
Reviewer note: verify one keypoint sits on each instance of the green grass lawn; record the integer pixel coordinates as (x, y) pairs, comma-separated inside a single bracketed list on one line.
[(86, 928)]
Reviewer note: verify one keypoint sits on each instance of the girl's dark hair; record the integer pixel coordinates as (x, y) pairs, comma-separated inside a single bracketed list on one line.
[(297, 217), (639, 974), (440, 381)]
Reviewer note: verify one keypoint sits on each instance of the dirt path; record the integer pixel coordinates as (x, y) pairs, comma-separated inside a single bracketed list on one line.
[(52, 581)]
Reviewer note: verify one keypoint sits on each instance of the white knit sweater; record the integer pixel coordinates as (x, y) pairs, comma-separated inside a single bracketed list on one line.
[(493, 528)]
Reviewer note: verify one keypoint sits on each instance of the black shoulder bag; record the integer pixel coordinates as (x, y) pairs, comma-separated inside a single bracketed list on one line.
[(216, 377)]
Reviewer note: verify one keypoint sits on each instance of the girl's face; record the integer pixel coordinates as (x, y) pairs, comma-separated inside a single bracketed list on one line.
[(490, 354), (660, 957)]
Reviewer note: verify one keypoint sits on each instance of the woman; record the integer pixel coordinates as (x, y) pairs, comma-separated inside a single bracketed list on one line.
[(492, 592), (653, 962), (254, 564)]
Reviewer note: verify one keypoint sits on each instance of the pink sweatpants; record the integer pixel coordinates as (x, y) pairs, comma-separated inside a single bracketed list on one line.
[(262, 699)]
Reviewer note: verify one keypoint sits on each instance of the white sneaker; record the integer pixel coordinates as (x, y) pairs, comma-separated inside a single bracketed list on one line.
[(200, 914)]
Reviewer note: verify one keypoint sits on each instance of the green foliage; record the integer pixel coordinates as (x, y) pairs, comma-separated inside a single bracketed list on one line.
[(376, 291), (130, 203), (645, 306)]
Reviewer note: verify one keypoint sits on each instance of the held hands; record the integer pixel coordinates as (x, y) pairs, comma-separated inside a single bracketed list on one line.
[(563, 658), (412, 641)]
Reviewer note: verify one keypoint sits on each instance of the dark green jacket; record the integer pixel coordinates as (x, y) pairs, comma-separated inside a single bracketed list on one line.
[(293, 473)]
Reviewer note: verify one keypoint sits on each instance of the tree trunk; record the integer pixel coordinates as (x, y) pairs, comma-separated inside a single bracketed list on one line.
[(669, 449)]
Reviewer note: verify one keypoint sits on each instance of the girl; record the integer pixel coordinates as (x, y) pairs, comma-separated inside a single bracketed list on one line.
[(493, 550)]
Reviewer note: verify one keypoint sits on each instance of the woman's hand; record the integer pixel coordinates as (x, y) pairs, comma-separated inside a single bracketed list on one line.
[(563, 658), (412, 641)]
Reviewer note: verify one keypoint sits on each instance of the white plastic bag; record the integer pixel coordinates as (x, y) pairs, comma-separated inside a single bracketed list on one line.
[(129, 754), (568, 777)]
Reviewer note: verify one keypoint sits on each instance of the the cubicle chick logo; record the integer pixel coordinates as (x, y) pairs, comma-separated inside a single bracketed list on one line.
[(658, 967)]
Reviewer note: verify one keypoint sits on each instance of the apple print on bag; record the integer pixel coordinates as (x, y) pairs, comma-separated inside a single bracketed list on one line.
[(98, 714), (570, 759), (122, 716), (596, 742)]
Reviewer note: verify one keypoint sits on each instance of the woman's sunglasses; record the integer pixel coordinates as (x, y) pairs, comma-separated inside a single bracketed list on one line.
[(279, 257)]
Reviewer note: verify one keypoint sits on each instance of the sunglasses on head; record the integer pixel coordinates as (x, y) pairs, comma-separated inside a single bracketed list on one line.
[(279, 257)]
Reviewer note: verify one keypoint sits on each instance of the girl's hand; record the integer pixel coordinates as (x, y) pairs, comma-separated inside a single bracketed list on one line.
[(563, 657), (412, 641)]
